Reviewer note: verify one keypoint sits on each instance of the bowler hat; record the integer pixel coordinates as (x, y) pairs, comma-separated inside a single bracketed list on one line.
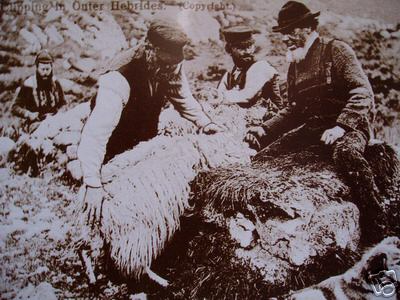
[(292, 14), (169, 37), (43, 57), (238, 34)]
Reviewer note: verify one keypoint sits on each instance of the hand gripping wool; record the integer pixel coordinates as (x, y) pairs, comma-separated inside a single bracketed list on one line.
[(149, 189)]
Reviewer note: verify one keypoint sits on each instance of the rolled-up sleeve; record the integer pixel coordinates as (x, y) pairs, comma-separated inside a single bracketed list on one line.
[(180, 96), (113, 93), (360, 104)]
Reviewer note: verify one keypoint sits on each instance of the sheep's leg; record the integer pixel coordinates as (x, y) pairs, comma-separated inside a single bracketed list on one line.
[(153, 276), (87, 261)]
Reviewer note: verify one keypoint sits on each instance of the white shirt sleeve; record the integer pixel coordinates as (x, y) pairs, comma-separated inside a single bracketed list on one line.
[(112, 95), (257, 76), (182, 99)]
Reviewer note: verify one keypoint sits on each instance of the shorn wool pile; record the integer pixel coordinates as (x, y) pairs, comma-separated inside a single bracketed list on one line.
[(53, 144)]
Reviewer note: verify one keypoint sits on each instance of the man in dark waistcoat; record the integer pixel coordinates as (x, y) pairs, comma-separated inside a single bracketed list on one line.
[(250, 81), (330, 101), (41, 94), (129, 101)]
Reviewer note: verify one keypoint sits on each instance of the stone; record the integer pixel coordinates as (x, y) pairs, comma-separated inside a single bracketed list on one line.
[(86, 65), (73, 31), (241, 230), (6, 146), (74, 169), (43, 291), (54, 36), (69, 86), (66, 138), (107, 37), (38, 32), (33, 43), (53, 14), (72, 152)]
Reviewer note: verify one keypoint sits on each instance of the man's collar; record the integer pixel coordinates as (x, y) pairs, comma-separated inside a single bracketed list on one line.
[(310, 41)]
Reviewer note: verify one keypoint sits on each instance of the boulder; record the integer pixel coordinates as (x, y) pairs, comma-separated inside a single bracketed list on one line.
[(69, 86), (6, 146), (38, 32), (43, 291), (53, 14), (66, 138), (33, 44), (74, 169), (73, 31), (54, 36), (86, 65), (72, 152)]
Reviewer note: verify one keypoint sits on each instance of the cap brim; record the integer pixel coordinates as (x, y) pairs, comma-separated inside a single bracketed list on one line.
[(293, 24), (170, 58)]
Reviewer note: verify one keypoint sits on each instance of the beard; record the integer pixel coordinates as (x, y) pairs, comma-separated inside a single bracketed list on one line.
[(296, 55), (243, 62), (44, 82)]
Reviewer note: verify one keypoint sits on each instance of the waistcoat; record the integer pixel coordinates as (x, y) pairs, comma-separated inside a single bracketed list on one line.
[(312, 90), (140, 115)]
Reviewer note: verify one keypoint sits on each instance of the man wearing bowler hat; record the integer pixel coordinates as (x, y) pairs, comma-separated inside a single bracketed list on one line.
[(129, 101), (249, 80), (330, 102)]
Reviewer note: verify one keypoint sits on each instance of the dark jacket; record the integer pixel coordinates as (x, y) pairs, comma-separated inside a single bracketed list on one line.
[(327, 88), (31, 98)]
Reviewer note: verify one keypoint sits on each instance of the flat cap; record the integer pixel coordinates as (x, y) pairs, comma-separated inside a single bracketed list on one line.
[(43, 57), (169, 37), (237, 34)]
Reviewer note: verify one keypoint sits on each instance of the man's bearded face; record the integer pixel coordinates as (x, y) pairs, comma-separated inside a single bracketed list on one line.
[(295, 40), (242, 55), (44, 70), (158, 60)]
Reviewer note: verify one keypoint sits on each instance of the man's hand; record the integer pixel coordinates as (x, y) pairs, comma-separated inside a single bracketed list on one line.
[(211, 128), (93, 201), (331, 135), (253, 135)]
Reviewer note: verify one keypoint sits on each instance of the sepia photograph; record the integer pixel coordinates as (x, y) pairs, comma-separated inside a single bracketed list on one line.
[(200, 149)]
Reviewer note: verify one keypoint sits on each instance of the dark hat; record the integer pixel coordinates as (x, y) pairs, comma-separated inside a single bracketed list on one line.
[(169, 37), (238, 34), (43, 57), (292, 14)]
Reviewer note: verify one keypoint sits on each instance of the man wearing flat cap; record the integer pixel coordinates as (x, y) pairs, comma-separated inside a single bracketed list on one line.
[(250, 80), (330, 102), (129, 101), (41, 94)]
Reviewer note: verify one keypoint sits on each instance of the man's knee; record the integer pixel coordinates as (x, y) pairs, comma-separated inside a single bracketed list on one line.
[(351, 145)]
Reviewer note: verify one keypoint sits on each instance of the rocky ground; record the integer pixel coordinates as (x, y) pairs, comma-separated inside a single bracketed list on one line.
[(36, 245)]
